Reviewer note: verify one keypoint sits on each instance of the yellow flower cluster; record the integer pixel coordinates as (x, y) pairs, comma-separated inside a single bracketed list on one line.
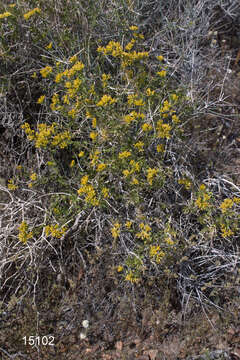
[(156, 252), (78, 66), (129, 58), (31, 13), (163, 130), (160, 148), (226, 232), (120, 268), (33, 177), (133, 99), (133, 278), (105, 192), (89, 191), (139, 145), (46, 71), (115, 49), (101, 167), (24, 235), (42, 136), (11, 185), (54, 231), (150, 92), (130, 45), (61, 139), (135, 167), (236, 200), (94, 157), (72, 164), (166, 109), (105, 78), (169, 241), (124, 154), (29, 132), (115, 230), (202, 201), (226, 205), (175, 119), (128, 224), (55, 101), (145, 232), (41, 99), (162, 73), (150, 174), (132, 116), (49, 46), (106, 100), (5, 15), (146, 127), (186, 182)]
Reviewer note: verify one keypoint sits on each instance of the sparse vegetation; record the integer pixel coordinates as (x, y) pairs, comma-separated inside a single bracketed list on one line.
[(116, 121)]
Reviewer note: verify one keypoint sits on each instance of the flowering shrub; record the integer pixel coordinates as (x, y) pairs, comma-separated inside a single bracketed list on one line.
[(106, 158)]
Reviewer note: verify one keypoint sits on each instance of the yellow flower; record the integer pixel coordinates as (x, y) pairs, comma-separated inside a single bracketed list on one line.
[(58, 77), (105, 192), (145, 232), (132, 277), (129, 46), (101, 167), (236, 200), (94, 123), (81, 154), (23, 234), (150, 92), (93, 135), (160, 58), (139, 145), (135, 181), (124, 154), (119, 268), (162, 73), (33, 177), (49, 46), (226, 232), (31, 13), (133, 28), (5, 15), (128, 224), (156, 252), (146, 127), (115, 230), (169, 241), (106, 100), (126, 173), (54, 231), (73, 59), (160, 148), (72, 163), (226, 205), (84, 180), (186, 182), (11, 185), (46, 71), (163, 130), (150, 174), (175, 119), (41, 99)]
